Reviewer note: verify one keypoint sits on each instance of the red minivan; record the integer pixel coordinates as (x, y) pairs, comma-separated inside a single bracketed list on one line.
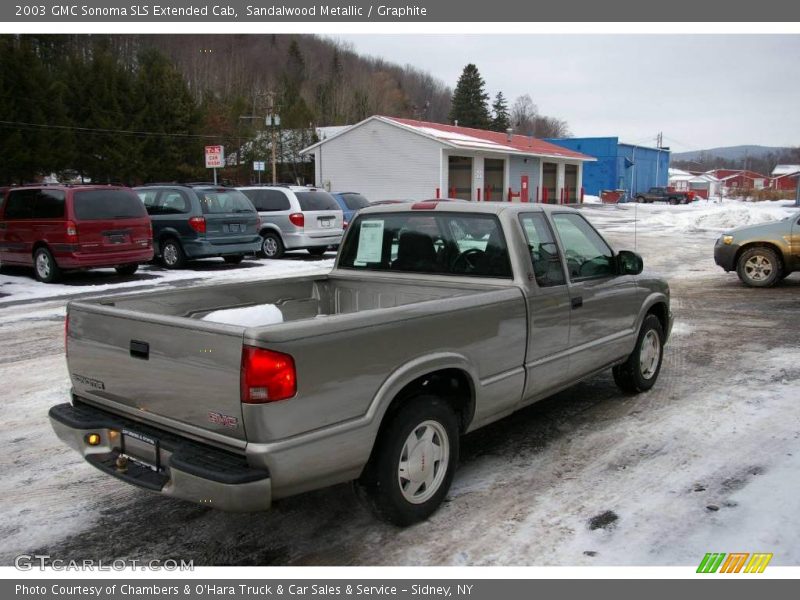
[(57, 228)]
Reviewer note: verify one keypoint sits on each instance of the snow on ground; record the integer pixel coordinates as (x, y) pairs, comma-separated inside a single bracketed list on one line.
[(709, 460), (20, 285)]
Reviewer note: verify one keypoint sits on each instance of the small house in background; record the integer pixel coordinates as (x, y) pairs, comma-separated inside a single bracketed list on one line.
[(703, 185), (740, 179), (619, 166), (387, 158), (785, 177)]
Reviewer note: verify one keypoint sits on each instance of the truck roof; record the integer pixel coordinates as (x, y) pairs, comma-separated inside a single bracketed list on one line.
[(466, 207)]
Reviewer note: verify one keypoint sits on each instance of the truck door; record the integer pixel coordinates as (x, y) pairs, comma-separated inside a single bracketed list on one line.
[(604, 305), (547, 358)]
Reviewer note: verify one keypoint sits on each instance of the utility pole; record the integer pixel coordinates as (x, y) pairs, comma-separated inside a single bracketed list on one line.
[(272, 125)]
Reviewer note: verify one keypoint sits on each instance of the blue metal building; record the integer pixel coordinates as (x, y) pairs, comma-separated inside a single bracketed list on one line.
[(619, 166)]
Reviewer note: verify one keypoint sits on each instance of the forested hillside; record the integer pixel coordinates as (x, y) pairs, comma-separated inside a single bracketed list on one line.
[(140, 108)]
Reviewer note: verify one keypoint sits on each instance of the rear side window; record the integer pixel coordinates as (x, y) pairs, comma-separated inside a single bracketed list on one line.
[(99, 205), (268, 200), (35, 204), (442, 243), (317, 201), (547, 267), (224, 201), (355, 201)]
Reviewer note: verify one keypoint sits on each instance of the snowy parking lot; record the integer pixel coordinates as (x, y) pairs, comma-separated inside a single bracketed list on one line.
[(709, 460)]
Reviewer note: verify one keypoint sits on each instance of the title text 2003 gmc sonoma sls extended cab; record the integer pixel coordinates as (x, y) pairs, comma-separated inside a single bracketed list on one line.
[(437, 319)]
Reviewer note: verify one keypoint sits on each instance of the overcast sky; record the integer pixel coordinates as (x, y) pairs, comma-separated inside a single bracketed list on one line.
[(702, 91)]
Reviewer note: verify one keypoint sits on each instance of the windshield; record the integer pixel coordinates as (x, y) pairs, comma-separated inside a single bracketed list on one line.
[(97, 205), (224, 201), (441, 243)]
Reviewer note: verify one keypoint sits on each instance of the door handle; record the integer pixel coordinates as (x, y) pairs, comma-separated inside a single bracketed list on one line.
[(577, 301)]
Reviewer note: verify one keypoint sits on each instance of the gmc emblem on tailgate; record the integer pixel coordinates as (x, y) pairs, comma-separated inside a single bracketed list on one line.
[(89, 382), (224, 420)]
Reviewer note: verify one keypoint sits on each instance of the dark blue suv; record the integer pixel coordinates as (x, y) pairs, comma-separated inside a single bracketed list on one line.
[(200, 221), (351, 203)]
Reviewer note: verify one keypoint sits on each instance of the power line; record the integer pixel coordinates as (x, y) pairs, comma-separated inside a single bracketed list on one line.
[(24, 125)]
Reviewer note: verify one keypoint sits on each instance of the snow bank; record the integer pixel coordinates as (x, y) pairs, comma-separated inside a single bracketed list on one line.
[(249, 316), (698, 216)]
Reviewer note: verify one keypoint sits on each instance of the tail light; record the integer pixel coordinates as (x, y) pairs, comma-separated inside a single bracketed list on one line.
[(345, 224), (72, 232), (198, 224), (298, 219), (267, 376), (149, 229)]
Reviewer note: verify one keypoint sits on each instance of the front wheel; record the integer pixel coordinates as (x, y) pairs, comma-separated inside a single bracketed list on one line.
[(673, 201), (413, 462), (44, 266), (759, 267), (640, 199), (640, 371)]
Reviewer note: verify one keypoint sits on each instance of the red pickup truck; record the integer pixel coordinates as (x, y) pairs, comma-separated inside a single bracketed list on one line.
[(665, 194)]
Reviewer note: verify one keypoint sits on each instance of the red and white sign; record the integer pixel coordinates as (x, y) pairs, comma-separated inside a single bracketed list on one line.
[(215, 157)]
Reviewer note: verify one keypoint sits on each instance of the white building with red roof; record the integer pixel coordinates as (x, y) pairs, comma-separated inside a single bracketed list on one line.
[(387, 158)]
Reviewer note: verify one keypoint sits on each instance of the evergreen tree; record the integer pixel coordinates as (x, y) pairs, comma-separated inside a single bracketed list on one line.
[(469, 104), (502, 118)]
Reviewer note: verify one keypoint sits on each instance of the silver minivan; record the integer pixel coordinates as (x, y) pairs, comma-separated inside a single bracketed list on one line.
[(294, 217)]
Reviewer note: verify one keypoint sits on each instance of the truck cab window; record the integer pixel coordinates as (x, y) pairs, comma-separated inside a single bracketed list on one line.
[(547, 267), (587, 254)]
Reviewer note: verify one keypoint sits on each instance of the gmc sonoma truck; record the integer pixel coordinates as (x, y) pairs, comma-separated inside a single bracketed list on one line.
[(437, 319), (662, 194)]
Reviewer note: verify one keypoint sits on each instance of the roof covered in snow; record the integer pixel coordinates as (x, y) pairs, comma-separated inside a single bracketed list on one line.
[(781, 170), (474, 139)]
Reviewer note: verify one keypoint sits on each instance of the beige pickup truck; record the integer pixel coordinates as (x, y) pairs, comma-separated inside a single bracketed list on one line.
[(437, 319)]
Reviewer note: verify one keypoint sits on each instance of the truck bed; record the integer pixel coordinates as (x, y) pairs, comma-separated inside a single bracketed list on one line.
[(133, 354)]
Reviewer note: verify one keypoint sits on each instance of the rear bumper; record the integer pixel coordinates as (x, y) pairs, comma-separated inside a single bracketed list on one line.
[(80, 260), (208, 249), (725, 255), (174, 466), (311, 240)]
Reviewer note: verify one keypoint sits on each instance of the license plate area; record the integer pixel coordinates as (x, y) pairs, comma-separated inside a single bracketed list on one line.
[(326, 222), (117, 238), (141, 449), (233, 228)]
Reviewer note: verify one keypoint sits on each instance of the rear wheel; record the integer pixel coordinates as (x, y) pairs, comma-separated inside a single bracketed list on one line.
[(640, 199), (44, 266), (413, 462), (233, 260), (673, 201), (127, 269), (759, 267), (271, 245), (318, 251), (172, 255), (640, 372)]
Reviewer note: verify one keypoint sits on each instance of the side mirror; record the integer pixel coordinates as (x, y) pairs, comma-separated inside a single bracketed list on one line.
[(629, 263)]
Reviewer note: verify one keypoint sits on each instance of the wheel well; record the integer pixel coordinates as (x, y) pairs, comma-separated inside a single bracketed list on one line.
[(452, 385), (270, 230), (38, 245), (660, 311), (769, 245)]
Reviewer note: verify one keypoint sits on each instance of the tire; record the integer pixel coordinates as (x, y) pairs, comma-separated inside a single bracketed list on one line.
[(233, 260), (673, 201), (318, 251), (640, 199), (271, 245), (640, 371), (45, 268), (127, 270), (172, 255), (759, 267), (423, 427)]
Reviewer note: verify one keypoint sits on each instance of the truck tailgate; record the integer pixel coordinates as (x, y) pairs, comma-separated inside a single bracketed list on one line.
[(184, 378)]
